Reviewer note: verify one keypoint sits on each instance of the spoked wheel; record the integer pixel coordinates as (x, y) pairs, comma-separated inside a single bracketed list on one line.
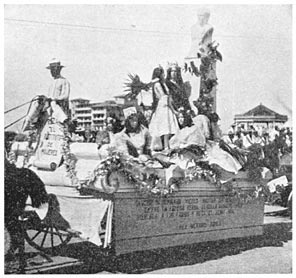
[(46, 237)]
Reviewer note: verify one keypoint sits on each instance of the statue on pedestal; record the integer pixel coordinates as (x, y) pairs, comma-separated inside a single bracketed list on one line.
[(200, 63), (201, 36)]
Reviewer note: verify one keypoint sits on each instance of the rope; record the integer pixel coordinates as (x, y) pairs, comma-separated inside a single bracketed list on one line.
[(31, 101), (17, 107), (15, 121)]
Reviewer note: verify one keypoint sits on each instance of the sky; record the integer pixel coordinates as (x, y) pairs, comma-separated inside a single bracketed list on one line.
[(100, 44)]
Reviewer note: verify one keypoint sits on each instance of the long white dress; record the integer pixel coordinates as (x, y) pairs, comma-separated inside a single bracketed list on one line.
[(163, 120), (193, 135)]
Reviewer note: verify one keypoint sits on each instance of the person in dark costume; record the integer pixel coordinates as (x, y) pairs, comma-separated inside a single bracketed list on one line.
[(177, 92), (20, 183)]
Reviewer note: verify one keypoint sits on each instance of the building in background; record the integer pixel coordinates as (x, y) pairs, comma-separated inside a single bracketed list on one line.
[(77, 103), (260, 117), (102, 110), (92, 115), (81, 111)]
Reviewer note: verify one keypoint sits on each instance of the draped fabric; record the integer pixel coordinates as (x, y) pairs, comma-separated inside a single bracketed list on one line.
[(188, 136), (215, 155), (203, 123), (82, 214)]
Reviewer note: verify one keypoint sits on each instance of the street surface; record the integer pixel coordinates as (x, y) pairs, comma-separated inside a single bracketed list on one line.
[(269, 253), (273, 260)]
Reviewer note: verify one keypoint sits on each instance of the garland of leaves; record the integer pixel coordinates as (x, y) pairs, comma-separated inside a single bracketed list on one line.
[(150, 184), (147, 182), (69, 158), (208, 78), (198, 173), (134, 172), (145, 179), (111, 164)]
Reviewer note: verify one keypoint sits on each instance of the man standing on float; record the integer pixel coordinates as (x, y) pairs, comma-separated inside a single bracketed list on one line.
[(59, 93), (201, 36)]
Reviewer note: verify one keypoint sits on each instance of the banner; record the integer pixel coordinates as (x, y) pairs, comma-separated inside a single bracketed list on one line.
[(49, 152)]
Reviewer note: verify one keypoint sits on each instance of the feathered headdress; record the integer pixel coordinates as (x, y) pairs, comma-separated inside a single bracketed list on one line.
[(134, 85)]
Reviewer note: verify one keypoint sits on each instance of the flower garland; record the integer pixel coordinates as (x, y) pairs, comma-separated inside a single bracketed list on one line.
[(198, 173), (112, 163), (147, 181), (69, 158), (153, 185), (230, 187)]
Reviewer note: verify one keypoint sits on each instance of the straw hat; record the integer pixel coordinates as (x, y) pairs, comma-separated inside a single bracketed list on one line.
[(54, 63)]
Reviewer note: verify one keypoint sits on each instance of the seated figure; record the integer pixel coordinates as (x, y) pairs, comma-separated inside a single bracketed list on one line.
[(135, 137), (134, 140)]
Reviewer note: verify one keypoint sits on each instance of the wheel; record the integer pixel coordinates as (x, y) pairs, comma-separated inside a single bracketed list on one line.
[(45, 237)]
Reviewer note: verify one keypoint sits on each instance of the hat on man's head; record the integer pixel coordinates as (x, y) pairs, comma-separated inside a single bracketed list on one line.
[(129, 111), (54, 63)]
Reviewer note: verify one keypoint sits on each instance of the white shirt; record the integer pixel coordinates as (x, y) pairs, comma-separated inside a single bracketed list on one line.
[(59, 89)]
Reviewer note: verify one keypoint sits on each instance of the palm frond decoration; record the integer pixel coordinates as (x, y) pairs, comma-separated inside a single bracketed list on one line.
[(134, 85)]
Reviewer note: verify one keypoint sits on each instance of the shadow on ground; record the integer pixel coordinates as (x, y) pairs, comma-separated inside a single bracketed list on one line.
[(93, 261)]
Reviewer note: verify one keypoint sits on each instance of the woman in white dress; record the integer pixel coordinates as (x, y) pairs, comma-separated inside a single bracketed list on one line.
[(163, 122)]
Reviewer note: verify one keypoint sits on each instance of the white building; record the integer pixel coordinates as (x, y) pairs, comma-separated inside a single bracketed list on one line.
[(81, 111), (93, 115)]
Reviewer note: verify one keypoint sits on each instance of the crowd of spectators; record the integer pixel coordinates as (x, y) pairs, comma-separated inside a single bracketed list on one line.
[(245, 138)]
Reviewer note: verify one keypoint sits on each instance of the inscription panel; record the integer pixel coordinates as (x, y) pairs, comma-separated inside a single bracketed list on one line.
[(49, 150), (139, 218)]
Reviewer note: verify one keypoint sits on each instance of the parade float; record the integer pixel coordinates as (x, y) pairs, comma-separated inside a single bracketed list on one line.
[(120, 202)]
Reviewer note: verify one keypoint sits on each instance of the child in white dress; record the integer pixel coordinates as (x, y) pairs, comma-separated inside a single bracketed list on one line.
[(163, 122)]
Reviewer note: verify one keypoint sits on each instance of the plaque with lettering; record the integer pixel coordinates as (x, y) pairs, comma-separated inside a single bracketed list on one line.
[(186, 217)]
